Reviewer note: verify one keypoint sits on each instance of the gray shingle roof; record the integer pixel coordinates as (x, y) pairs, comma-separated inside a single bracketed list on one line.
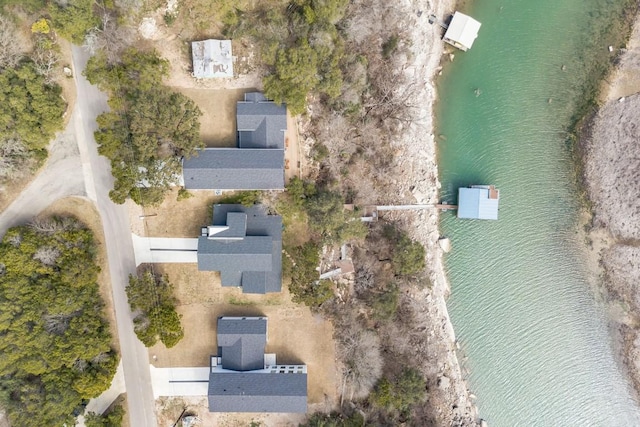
[(241, 342), (257, 392), (235, 169), (261, 123), (249, 253)]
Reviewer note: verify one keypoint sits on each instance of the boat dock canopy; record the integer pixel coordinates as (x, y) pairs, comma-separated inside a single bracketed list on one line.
[(478, 202), (462, 31)]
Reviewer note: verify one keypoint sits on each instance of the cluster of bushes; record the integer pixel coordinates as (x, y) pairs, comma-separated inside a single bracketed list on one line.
[(152, 301), (328, 223), (54, 339), (31, 107), (400, 392), (149, 129), (112, 418), (299, 43), (408, 255)]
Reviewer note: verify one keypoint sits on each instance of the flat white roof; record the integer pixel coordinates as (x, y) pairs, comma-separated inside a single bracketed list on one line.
[(212, 58), (462, 31)]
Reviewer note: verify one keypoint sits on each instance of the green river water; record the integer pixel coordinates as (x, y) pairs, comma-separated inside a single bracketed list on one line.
[(523, 305)]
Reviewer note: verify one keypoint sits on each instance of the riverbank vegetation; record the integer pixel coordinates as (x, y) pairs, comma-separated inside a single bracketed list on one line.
[(54, 338), (154, 306), (618, 31)]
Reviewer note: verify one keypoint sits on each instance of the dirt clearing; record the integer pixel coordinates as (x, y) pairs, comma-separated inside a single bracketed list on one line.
[(169, 409), (218, 121)]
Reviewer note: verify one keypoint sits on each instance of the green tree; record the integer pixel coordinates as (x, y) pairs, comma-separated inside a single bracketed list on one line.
[(111, 419), (329, 218), (406, 389), (30, 110), (384, 304), (151, 299), (54, 339), (334, 419), (408, 257), (295, 75), (73, 18), (306, 286), (148, 130)]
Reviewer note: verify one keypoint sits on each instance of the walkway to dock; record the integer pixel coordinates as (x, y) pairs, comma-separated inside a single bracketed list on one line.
[(371, 212)]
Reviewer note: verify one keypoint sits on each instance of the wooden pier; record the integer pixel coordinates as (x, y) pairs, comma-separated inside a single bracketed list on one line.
[(447, 207)]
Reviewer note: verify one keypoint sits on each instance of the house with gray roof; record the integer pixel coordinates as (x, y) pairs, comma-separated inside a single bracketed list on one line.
[(243, 378), (258, 161), (245, 245)]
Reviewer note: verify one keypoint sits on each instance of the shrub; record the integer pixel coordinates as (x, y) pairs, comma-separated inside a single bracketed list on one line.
[(384, 304), (151, 298), (408, 257), (405, 390), (306, 286)]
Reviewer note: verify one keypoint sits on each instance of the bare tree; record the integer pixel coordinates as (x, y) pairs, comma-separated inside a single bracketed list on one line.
[(10, 43), (57, 324), (50, 225), (110, 38), (359, 350), (13, 156), (47, 255), (45, 61)]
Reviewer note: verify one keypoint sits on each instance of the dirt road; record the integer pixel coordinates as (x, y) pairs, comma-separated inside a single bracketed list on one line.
[(60, 177)]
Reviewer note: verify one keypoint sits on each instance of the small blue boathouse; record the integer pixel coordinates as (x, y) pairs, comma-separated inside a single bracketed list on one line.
[(478, 202)]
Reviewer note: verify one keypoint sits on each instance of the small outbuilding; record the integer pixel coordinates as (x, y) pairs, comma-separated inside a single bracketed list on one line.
[(462, 31), (212, 58), (478, 202)]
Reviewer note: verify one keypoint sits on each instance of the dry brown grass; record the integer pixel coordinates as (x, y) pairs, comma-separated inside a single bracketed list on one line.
[(295, 334), (218, 123)]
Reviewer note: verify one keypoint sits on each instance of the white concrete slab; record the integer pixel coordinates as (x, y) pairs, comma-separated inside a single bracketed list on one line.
[(174, 256), (173, 382), (164, 249)]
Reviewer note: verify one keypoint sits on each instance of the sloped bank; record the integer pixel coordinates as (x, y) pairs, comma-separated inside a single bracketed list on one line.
[(416, 159), (612, 179)]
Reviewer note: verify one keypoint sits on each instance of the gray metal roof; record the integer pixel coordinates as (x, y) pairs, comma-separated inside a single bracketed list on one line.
[(252, 259), (475, 203), (235, 169), (241, 342), (257, 392), (261, 123)]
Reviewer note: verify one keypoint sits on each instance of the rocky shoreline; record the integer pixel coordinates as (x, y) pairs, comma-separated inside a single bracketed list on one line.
[(611, 157), (416, 158)]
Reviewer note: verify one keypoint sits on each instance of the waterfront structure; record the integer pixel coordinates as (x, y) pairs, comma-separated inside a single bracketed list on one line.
[(245, 245), (212, 59), (258, 161), (478, 202), (462, 31), (243, 378)]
